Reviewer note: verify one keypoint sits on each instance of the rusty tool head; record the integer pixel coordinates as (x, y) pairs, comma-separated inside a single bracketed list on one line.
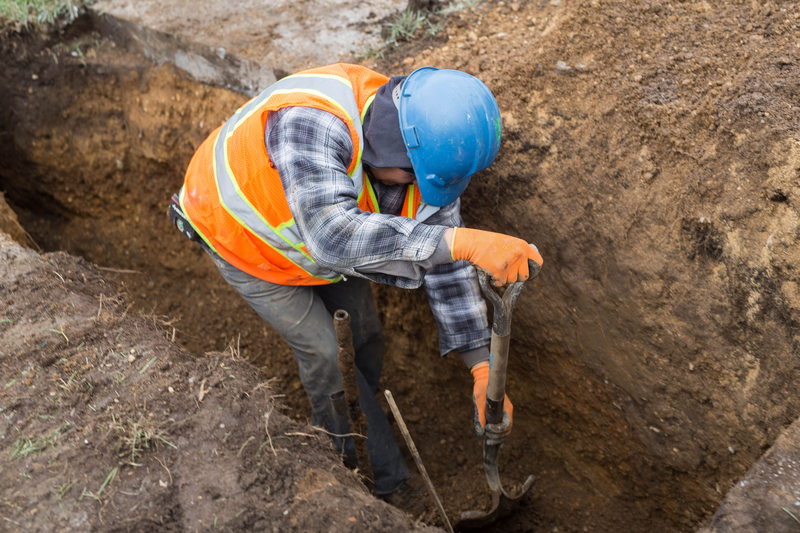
[(503, 504)]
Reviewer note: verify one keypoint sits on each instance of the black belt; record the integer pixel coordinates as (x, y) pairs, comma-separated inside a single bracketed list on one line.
[(181, 221)]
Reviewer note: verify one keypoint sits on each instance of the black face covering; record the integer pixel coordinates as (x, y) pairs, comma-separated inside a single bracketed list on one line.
[(384, 146)]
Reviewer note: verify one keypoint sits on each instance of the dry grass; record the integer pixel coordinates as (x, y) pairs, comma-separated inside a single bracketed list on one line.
[(136, 437)]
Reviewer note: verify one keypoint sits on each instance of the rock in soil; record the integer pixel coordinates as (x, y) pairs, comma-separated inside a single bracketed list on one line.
[(768, 498)]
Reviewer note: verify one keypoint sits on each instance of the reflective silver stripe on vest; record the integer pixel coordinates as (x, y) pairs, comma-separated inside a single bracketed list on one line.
[(286, 238)]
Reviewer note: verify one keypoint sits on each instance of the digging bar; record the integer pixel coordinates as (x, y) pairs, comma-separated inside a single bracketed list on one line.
[(347, 366), (503, 503)]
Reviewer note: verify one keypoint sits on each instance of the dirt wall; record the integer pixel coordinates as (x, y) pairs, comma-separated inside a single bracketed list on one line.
[(650, 151), (9, 223)]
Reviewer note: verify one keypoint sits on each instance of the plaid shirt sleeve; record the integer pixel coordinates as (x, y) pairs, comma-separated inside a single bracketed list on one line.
[(311, 150), (454, 296)]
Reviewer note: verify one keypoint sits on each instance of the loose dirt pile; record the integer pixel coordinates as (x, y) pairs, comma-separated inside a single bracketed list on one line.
[(106, 425), (650, 151)]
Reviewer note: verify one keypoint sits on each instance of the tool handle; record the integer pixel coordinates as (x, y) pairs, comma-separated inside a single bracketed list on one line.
[(501, 335), (417, 459), (503, 306)]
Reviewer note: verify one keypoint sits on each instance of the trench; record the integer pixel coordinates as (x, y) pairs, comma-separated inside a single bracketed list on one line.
[(93, 146)]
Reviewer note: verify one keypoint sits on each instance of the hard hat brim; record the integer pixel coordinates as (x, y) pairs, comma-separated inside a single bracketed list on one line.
[(441, 196)]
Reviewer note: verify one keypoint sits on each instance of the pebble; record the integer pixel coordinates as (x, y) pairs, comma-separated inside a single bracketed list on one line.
[(131, 358), (637, 78), (472, 36), (170, 389)]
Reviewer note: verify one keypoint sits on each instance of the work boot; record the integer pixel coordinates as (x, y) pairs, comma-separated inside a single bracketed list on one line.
[(410, 497)]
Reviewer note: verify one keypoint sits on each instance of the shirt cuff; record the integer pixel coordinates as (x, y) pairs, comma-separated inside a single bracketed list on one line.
[(473, 357), (442, 255)]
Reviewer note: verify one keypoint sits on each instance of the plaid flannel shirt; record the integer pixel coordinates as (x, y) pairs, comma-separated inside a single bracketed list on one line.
[(312, 149)]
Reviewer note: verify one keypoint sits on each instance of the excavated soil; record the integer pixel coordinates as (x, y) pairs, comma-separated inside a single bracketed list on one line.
[(651, 151), (107, 425)]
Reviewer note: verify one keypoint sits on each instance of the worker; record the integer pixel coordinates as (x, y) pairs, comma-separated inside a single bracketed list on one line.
[(336, 176)]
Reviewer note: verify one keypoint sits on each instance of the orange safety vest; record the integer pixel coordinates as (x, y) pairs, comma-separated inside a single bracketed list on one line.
[(234, 198)]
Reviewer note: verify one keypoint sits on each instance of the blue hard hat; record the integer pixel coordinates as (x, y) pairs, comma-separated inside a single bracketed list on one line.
[(451, 127)]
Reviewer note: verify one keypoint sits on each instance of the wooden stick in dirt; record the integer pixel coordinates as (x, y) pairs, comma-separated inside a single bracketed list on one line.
[(417, 459), (347, 366)]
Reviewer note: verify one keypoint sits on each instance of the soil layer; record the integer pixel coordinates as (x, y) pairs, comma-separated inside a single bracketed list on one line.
[(650, 151)]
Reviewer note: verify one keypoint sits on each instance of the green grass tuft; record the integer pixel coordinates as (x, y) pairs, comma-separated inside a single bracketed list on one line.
[(406, 24), (23, 447), (19, 15)]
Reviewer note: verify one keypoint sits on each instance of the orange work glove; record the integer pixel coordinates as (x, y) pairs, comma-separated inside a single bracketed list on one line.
[(504, 258), (497, 432)]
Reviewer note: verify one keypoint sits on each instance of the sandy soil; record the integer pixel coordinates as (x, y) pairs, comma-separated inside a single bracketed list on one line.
[(650, 151)]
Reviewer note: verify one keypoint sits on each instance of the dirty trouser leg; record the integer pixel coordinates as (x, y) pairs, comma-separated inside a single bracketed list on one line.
[(299, 316), (355, 297)]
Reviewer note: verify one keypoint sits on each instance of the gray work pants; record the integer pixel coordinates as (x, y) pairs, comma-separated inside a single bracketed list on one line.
[(303, 316)]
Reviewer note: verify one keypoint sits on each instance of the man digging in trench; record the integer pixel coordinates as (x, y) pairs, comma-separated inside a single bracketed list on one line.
[(339, 175)]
